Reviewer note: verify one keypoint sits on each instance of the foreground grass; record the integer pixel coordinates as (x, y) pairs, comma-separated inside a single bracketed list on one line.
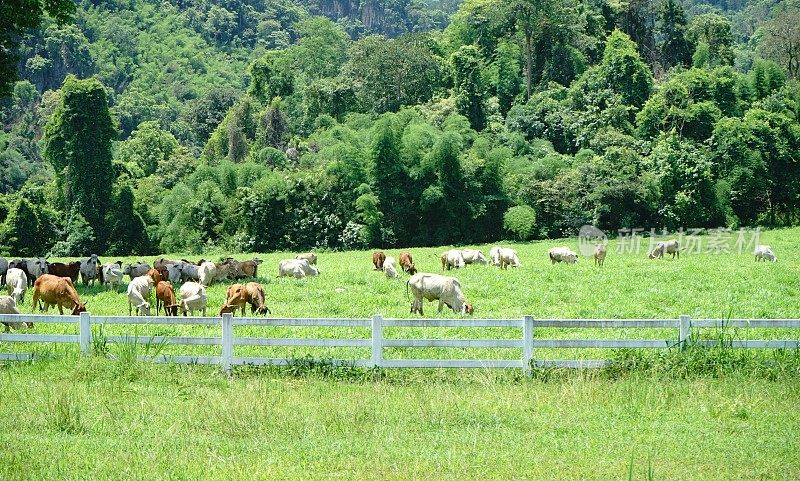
[(100, 419)]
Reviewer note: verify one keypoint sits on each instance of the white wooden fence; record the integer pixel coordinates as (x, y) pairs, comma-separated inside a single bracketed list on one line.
[(378, 342)]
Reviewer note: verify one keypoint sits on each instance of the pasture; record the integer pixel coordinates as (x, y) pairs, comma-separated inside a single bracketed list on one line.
[(104, 418)]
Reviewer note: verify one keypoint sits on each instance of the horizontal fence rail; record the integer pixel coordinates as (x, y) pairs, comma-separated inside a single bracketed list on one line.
[(377, 342)]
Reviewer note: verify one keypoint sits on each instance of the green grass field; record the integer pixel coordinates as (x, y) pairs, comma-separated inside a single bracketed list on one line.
[(95, 418)]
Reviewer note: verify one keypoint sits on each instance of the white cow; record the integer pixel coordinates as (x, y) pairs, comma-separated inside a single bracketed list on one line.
[(296, 268), (16, 284), (390, 267), (764, 253), (89, 269), (667, 247), (207, 272), (508, 257), (309, 256), (562, 254), (138, 293), (446, 290), (494, 255), (193, 297), (472, 256), (9, 306), (452, 259), (600, 254), (112, 275)]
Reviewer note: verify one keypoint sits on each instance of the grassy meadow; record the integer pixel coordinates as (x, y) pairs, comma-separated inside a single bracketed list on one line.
[(111, 417)]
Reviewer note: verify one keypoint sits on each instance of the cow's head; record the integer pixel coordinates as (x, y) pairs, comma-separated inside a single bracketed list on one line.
[(468, 309), (227, 308), (78, 308), (171, 310), (412, 269), (263, 311)]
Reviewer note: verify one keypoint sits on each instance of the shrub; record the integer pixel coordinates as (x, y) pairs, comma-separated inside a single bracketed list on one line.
[(520, 221)]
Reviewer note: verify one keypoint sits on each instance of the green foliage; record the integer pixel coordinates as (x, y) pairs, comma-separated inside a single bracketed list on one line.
[(624, 71), (128, 230), (675, 48), (146, 148), (79, 237), (82, 157), (520, 221), (16, 20), (506, 75), (712, 35), (25, 231), (468, 86)]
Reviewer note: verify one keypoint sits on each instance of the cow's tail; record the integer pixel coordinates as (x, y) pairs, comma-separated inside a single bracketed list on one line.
[(407, 282)]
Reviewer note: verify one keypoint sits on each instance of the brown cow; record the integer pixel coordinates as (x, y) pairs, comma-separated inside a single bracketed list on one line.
[(155, 275), (60, 291), (407, 263), (165, 296), (236, 298), (250, 268), (162, 271), (255, 297), (59, 269), (377, 260)]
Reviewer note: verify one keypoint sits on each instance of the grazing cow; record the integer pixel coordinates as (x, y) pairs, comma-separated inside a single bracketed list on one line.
[(138, 294), (57, 291), (206, 273), (296, 268), (235, 298), (378, 258), (256, 298), (3, 270), (407, 263), (446, 290), (165, 296), (508, 257), (472, 256), (600, 255), (452, 259), (764, 253), (243, 270), (136, 269), (112, 275), (9, 306), (71, 270), (309, 256), (193, 297), (163, 272), (667, 247), (16, 284), (389, 268), (162, 262), (494, 255), (562, 254), (89, 269)]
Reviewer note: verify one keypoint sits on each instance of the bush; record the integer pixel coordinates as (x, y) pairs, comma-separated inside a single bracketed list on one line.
[(520, 221)]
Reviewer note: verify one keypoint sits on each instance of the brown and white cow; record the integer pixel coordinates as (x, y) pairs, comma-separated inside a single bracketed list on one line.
[(165, 296), (378, 258), (407, 263)]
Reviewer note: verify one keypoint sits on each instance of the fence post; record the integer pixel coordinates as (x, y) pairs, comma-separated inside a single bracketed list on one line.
[(227, 342), (685, 331), (85, 336), (527, 344), (377, 340)]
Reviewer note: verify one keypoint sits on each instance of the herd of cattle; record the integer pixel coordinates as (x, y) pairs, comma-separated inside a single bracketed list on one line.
[(54, 282)]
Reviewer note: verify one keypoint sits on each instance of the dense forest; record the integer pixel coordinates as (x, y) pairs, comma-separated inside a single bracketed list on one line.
[(139, 126)]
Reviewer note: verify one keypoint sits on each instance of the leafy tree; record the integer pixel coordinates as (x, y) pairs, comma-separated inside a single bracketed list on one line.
[(638, 21), (147, 147), (675, 48), (779, 38), (506, 75), (128, 231), (206, 113), (78, 144), (468, 86), (389, 177), (272, 76), (712, 34), (388, 74), (20, 233), (322, 48), (624, 71), (17, 19), (520, 221), (80, 237)]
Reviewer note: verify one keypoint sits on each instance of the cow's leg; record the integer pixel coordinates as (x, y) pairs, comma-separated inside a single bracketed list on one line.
[(61, 308), (441, 304)]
